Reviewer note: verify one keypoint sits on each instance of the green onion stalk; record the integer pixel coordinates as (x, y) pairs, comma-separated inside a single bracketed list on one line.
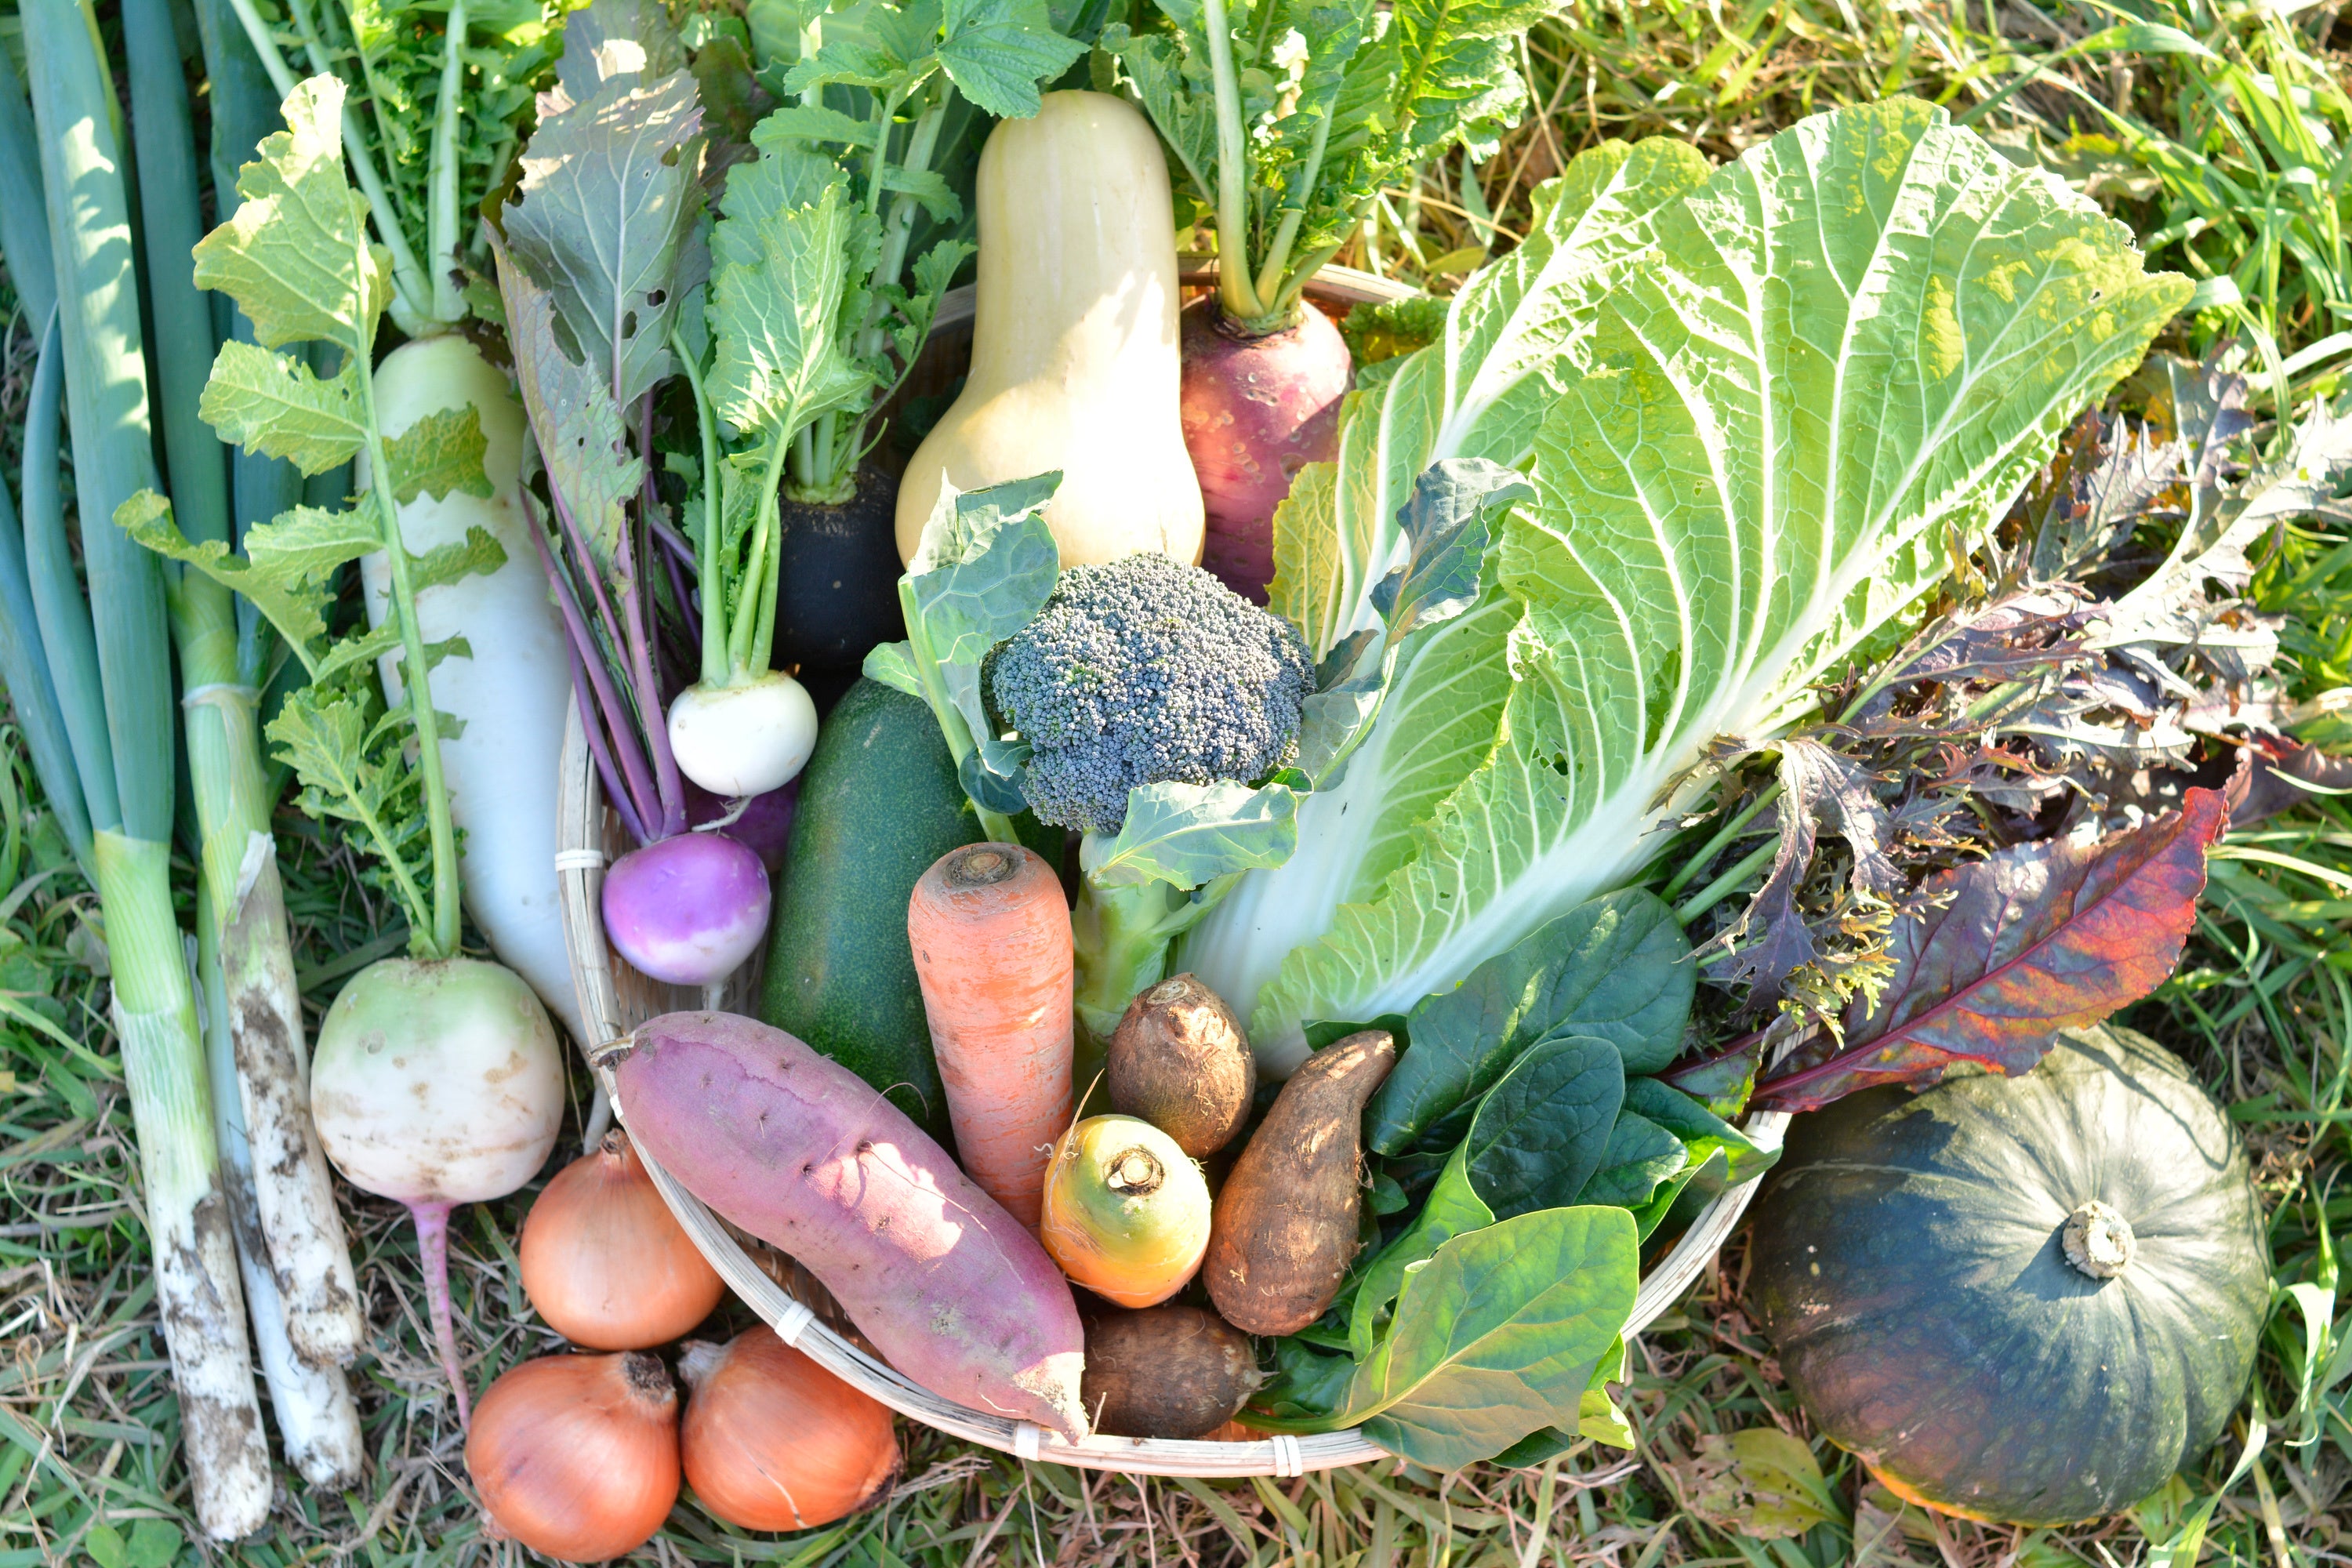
[(107, 660), (221, 675)]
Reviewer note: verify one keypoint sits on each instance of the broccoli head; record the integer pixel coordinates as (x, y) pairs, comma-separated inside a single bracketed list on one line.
[(1143, 670)]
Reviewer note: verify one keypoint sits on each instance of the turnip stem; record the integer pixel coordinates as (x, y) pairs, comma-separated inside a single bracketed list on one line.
[(708, 575), (432, 1218), (636, 646), (753, 633), (441, 223), (606, 713), (1301, 191), (1234, 288)]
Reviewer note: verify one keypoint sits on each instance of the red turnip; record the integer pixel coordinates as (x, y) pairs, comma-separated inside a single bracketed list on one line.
[(1256, 410)]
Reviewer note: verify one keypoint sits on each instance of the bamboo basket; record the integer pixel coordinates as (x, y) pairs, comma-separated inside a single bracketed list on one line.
[(614, 998)]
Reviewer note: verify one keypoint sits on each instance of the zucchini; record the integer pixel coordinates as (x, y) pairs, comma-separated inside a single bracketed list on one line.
[(879, 804)]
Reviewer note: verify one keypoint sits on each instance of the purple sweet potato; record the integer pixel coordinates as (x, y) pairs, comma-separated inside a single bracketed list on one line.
[(805, 1155)]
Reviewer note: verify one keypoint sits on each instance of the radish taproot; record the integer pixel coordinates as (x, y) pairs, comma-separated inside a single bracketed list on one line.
[(804, 1154)]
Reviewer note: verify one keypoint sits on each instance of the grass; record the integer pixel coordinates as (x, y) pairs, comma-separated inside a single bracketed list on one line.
[(2261, 1006)]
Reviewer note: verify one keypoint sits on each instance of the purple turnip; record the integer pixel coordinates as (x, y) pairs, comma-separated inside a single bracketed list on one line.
[(687, 910), (1256, 409), (764, 824)]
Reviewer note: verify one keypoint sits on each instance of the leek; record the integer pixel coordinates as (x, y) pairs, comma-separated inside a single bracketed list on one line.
[(221, 673), (109, 668)]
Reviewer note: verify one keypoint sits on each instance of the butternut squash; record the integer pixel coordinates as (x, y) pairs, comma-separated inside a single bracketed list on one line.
[(1073, 355)]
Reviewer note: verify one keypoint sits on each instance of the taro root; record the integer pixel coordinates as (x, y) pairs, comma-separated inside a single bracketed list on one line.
[(1284, 1226), (1178, 1060), (1166, 1371)]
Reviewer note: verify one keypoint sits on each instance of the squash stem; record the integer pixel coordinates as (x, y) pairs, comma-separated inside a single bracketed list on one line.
[(1235, 289)]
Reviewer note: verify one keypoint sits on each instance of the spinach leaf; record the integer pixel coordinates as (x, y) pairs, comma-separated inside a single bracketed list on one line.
[(1641, 1154), (1721, 1156), (1499, 1335), (1598, 1418), (1612, 968), (1536, 1140)]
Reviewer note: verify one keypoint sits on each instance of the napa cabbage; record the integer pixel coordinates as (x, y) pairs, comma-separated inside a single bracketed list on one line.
[(1761, 407)]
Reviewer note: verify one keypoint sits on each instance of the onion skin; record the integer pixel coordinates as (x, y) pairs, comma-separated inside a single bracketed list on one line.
[(688, 910), (605, 1262), (576, 1456), (1256, 411), (774, 1441)]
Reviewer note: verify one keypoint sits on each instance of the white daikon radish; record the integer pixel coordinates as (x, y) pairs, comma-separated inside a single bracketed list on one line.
[(511, 692)]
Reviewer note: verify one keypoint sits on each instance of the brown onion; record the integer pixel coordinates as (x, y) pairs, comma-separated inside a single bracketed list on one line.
[(606, 1263), (576, 1456), (774, 1441)]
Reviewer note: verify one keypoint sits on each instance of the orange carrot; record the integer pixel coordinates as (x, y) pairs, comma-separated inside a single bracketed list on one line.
[(990, 932)]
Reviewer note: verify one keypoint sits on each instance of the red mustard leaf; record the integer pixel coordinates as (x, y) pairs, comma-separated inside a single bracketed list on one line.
[(2011, 949)]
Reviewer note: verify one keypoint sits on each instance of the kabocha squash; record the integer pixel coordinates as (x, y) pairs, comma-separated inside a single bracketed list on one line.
[(1074, 342), (2023, 1300)]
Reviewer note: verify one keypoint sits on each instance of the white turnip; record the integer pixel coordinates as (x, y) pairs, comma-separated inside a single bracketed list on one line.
[(745, 737), (436, 1083)]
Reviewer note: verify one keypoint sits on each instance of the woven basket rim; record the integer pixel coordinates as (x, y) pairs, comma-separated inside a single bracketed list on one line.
[(580, 856)]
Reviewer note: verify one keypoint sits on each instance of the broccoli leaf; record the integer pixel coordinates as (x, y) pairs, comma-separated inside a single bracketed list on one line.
[(1186, 834), (997, 51), (986, 566)]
